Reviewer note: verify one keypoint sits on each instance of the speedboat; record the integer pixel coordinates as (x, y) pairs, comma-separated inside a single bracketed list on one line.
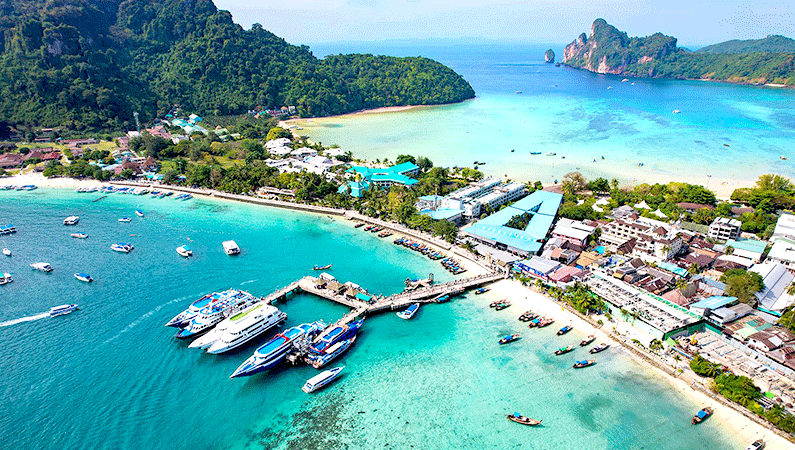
[(245, 326), (599, 348), (481, 290), (518, 418), (184, 251), (330, 354), (409, 312), (564, 350), (565, 330), (6, 252), (321, 380), (63, 309), (230, 303), (84, 277), (42, 266), (71, 220), (270, 354), (587, 340), (231, 248), (125, 220), (327, 266), (581, 364), (122, 247), (139, 213), (335, 334), (509, 338), (701, 415), (79, 235), (5, 278)]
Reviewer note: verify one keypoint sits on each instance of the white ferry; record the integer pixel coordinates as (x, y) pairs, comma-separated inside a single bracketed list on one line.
[(42, 266), (231, 248), (321, 380), (71, 220), (229, 303), (245, 326), (63, 309)]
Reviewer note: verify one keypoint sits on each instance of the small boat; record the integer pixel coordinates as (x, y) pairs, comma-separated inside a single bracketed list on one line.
[(513, 150), (184, 250), (676, 111), (625, 80), (587, 340), (581, 364), (359, 225), (327, 266), (551, 154), (756, 445), (6, 252), (481, 290), (125, 220), (71, 220), (409, 312), (535, 153), (330, 354), (509, 338), (63, 310), (564, 350), (231, 248), (701, 415), (565, 330), (139, 213), (122, 247), (42, 266), (726, 145), (84, 277), (5, 278), (599, 348), (321, 380), (518, 92), (79, 235), (545, 322), (518, 418), (782, 157), (502, 305), (442, 299)]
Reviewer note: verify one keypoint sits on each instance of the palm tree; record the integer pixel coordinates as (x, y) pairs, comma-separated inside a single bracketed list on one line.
[(791, 288)]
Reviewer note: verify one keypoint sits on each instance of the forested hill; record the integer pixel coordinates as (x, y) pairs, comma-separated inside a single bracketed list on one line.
[(771, 44), (88, 64), (608, 50)]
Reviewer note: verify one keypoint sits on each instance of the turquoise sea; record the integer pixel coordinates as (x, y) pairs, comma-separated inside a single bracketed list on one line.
[(724, 136), (111, 376)]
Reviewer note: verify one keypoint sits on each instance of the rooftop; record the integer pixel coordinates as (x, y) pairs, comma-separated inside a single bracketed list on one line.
[(714, 302), (749, 245)]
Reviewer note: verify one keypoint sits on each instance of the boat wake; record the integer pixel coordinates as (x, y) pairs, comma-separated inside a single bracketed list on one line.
[(8, 323), (247, 282), (144, 317)]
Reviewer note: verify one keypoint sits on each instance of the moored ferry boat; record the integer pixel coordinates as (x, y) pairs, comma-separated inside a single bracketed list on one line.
[(63, 309), (182, 319), (321, 380), (245, 326), (409, 312), (270, 354), (335, 334), (230, 303), (330, 354)]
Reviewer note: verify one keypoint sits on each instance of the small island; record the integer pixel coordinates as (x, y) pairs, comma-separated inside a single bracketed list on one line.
[(549, 56)]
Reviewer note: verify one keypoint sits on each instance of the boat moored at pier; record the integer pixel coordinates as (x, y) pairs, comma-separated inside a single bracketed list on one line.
[(245, 326), (230, 302), (409, 312), (273, 352)]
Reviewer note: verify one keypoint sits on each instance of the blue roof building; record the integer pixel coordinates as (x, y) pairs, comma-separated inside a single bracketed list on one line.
[(541, 206), (380, 177), (358, 188), (711, 303)]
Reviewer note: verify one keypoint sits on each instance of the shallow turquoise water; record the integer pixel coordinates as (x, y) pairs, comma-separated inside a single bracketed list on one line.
[(110, 376), (724, 133)]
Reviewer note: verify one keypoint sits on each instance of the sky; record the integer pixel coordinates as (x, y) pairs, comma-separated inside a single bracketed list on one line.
[(693, 22)]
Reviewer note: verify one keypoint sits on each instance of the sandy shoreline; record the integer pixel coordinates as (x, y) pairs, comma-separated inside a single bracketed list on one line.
[(733, 422)]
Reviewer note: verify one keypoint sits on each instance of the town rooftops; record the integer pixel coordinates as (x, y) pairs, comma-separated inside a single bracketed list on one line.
[(783, 250), (774, 298), (749, 245), (713, 302), (785, 226)]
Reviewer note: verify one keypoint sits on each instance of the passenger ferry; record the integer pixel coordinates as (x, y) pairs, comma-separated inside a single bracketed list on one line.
[(273, 352), (230, 302), (245, 326), (330, 354), (125, 220), (321, 380), (63, 309), (42, 266), (336, 334), (231, 248), (71, 220), (122, 247)]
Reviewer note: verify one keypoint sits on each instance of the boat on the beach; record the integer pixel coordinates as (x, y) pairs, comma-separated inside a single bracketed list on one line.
[(544, 322), (6, 251), (42, 266), (63, 309), (409, 312), (331, 353), (139, 213), (184, 250), (482, 290), (565, 330), (122, 247), (587, 340), (270, 354), (527, 316), (231, 248), (27, 187), (84, 277), (230, 302), (599, 348), (245, 326), (125, 220), (79, 235), (581, 364), (756, 445), (359, 225), (71, 220), (518, 418), (503, 305), (335, 334), (701, 415), (321, 380), (327, 266), (509, 338), (564, 350)]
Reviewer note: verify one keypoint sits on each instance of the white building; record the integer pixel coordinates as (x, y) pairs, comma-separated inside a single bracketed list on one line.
[(785, 227), (574, 231), (783, 252), (774, 298), (648, 239), (722, 229), (473, 199)]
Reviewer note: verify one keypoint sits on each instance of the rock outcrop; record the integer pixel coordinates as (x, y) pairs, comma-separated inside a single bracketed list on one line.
[(549, 56)]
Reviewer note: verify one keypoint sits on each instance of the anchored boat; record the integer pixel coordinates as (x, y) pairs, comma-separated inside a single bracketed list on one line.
[(42, 266), (701, 415), (599, 348), (71, 220), (581, 364), (518, 418), (509, 338), (273, 352), (587, 340), (565, 330), (84, 277), (79, 235), (564, 350), (122, 247), (231, 248), (409, 312), (184, 251)]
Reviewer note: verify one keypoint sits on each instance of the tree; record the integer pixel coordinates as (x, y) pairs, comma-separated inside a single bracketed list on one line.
[(424, 163), (404, 159), (573, 182), (704, 368), (743, 285), (278, 133), (599, 185)]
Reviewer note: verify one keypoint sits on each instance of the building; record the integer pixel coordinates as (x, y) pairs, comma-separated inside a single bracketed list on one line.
[(648, 239), (622, 212), (379, 177), (573, 231), (783, 252), (537, 266), (536, 212), (774, 299), (722, 229), (785, 227), (471, 201), (770, 339), (11, 161), (748, 248), (702, 307)]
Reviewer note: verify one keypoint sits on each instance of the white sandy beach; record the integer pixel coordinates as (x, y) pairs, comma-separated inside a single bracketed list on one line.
[(41, 181), (524, 298)]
